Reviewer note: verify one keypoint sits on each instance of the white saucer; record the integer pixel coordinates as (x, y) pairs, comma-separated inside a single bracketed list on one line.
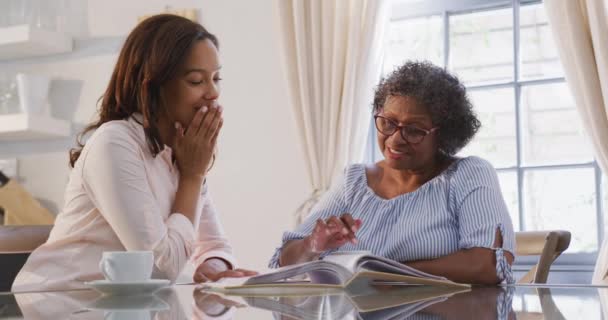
[(128, 288)]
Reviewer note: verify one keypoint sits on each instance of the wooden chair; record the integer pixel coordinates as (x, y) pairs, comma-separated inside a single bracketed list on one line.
[(16, 244), (547, 244)]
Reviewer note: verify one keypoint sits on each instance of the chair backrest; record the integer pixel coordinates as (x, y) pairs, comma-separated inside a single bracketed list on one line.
[(16, 244), (23, 238), (547, 244)]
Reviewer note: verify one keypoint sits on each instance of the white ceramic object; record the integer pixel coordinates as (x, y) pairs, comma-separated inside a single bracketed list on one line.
[(111, 288), (127, 266), (33, 93)]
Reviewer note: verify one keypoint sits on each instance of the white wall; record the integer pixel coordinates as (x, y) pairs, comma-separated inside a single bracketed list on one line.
[(259, 178)]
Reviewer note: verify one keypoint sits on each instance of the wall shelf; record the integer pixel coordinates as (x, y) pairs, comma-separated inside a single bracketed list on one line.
[(21, 41), (19, 127)]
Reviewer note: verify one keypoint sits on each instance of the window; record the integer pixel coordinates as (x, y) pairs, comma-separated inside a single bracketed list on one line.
[(504, 53)]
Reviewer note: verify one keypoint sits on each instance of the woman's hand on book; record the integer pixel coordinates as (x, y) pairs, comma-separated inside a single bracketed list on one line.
[(215, 269), (215, 276), (333, 233)]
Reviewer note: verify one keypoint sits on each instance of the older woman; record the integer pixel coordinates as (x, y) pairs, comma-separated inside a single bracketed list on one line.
[(421, 205)]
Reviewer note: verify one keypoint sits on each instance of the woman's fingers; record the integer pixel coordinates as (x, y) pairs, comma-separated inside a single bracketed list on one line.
[(179, 133), (334, 232), (246, 272), (349, 222), (322, 228), (236, 273), (208, 122), (351, 225), (217, 132), (197, 121), (336, 225), (215, 125), (337, 240), (200, 277)]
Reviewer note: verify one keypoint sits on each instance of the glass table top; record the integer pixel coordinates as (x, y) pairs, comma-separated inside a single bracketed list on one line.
[(189, 302)]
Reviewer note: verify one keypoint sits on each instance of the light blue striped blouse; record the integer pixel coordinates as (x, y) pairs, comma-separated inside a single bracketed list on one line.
[(460, 208)]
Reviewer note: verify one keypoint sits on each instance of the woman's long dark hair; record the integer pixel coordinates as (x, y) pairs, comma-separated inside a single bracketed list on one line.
[(149, 58)]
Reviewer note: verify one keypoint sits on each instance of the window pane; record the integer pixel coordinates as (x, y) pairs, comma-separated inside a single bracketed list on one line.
[(538, 54), (481, 46), (508, 186), (414, 39), (551, 129), (562, 199), (495, 140)]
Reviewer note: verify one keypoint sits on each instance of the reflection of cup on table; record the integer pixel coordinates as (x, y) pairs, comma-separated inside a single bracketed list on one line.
[(127, 315), (140, 307), (33, 92), (127, 266)]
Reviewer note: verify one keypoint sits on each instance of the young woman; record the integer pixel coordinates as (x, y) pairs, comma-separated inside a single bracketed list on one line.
[(139, 181)]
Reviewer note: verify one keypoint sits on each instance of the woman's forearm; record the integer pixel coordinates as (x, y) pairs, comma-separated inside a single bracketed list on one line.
[(187, 196), (297, 251), (474, 266)]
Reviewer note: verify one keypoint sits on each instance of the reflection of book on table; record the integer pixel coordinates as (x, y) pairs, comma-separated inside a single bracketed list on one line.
[(353, 272), (396, 303)]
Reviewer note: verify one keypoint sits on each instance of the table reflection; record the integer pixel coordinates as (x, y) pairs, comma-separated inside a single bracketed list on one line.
[(87, 304), (399, 303), (188, 302)]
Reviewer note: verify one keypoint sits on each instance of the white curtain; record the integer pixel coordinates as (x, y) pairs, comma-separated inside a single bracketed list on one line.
[(332, 54), (580, 29)]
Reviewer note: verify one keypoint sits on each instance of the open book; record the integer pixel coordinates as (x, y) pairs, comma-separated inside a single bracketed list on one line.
[(354, 272)]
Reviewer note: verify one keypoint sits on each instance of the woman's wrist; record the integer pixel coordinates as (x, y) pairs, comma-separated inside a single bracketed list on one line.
[(217, 265), (191, 178), (187, 196)]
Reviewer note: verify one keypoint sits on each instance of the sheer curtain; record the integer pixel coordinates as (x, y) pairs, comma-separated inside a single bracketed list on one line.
[(580, 29), (331, 51)]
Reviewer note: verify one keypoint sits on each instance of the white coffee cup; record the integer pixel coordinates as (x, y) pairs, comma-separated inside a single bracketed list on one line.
[(127, 266)]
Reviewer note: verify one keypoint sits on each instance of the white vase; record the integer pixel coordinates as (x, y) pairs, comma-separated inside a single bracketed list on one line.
[(33, 93)]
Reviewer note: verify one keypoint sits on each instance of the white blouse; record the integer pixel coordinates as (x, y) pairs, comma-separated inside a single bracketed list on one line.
[(119, 197)]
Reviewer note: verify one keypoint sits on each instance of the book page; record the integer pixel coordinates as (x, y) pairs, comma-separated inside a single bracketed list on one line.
[(380, 264), (374, 278), (319, 272), (274, 290), (347, 259)]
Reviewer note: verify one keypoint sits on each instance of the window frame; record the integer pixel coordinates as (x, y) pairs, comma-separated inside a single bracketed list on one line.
[(405, 10)]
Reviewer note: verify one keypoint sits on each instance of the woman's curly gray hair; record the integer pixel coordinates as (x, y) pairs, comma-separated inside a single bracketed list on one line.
[(441, 94)]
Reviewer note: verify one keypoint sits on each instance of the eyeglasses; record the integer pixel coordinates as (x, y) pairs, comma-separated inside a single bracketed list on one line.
[(411, 134)]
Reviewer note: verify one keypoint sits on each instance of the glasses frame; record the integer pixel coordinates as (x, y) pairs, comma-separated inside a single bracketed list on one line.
[(401, 131)]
